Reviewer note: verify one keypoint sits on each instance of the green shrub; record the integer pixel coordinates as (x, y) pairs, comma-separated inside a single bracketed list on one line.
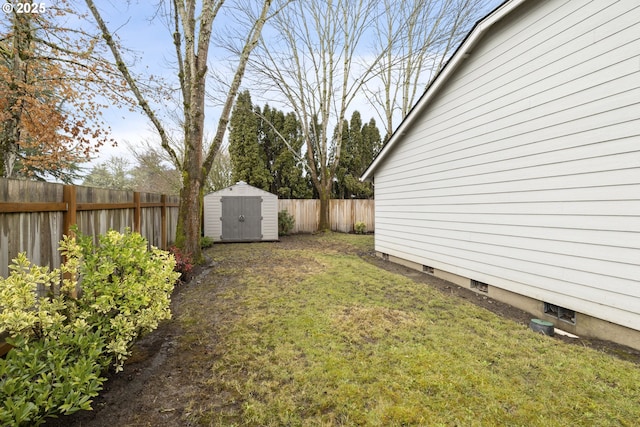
[(57, 374), (54, 367), (360, 227), (286, 222), (63, 343), (126, 288), (206, 242)]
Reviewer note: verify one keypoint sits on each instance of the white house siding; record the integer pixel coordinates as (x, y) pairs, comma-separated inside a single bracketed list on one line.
[(524, 171), (213, 210)]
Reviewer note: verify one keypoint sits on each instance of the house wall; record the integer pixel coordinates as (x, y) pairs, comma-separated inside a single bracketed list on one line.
[(213, 211), (524, 171)]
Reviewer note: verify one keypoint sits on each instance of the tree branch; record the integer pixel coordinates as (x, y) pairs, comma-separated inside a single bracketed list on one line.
[(251, 42), (120, 64)]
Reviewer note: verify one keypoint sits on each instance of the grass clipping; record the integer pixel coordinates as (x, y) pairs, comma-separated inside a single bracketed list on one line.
[(311, 334)]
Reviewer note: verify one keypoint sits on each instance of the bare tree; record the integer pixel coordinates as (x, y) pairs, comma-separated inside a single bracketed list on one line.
[(220, 175), (192, 36), (314, 67), (416, 37), (331, 52)]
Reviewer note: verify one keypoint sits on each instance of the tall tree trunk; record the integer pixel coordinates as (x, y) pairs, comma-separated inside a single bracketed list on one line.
[(192, 35), (10, 137), (188, 229), (325, 204)]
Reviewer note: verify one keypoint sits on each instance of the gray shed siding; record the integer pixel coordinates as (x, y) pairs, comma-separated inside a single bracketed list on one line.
[(213, 210), (524, 170)]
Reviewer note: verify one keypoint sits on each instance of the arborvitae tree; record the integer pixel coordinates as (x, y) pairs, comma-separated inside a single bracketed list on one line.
[(289, 163), (372, 141), (360, 143), (281, 140), (339, 187), (268, 123), (265, 148), (248, 158)]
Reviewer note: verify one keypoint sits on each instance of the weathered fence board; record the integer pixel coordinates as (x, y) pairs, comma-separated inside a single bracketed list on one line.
[(35, 215), (344, 214)]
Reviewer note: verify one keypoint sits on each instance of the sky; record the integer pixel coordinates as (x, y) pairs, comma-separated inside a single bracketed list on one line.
[(151, 41)]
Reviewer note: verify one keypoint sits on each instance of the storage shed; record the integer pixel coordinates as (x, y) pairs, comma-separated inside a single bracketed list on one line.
[(517, 173), (241, 213)]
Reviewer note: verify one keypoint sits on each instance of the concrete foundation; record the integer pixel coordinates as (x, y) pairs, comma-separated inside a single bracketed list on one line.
[(585, 326)]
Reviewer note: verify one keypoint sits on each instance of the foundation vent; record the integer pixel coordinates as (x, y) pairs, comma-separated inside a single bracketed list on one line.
[(479, 286), (427, 269), (560, 313)]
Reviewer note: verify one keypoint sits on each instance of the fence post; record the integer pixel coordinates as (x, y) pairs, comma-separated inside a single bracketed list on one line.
[(70, 218), (70, 215), (163, 222), (136, 212), (354, 218)]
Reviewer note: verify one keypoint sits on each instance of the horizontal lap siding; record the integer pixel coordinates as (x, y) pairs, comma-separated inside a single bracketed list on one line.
[(524, 171), (270, 218), (212, 214)]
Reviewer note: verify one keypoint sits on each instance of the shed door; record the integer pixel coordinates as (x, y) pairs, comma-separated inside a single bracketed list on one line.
[(241, 218)]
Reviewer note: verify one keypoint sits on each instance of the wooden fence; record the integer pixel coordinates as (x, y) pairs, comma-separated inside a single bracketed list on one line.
[(35, 215), (344, 214)]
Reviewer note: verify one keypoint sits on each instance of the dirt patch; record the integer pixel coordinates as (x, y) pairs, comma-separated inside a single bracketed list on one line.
[(157, 386), (373, 323), (148, 392)]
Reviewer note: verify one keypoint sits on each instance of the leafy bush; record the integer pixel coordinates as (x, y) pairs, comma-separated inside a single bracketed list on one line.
[(360, 227), (184, 263), (126, 288), (63, 343), (54, 367), (286, 222), (57, 374), (206, 242)]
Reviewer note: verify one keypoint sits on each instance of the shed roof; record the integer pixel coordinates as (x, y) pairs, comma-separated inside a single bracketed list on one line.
[(464, 50), (243, 187)]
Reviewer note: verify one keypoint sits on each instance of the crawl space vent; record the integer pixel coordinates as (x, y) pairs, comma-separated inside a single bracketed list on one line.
[(560, 313)]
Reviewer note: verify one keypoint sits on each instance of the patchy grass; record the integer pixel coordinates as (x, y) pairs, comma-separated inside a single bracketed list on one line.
[(306, 333)]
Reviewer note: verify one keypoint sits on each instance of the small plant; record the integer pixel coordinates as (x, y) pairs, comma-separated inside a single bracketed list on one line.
[(360, 227), (286, 222), (206, 242), (184, 262)]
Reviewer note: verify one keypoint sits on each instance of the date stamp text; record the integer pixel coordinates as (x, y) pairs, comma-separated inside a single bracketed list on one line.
[(24, 7)]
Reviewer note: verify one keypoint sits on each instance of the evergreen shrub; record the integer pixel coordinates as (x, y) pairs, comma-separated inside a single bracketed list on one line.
[(360, 227), (286, 222), (63, 343)]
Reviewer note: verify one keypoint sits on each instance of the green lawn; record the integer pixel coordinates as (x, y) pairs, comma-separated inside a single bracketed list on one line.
[(307, 333)]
